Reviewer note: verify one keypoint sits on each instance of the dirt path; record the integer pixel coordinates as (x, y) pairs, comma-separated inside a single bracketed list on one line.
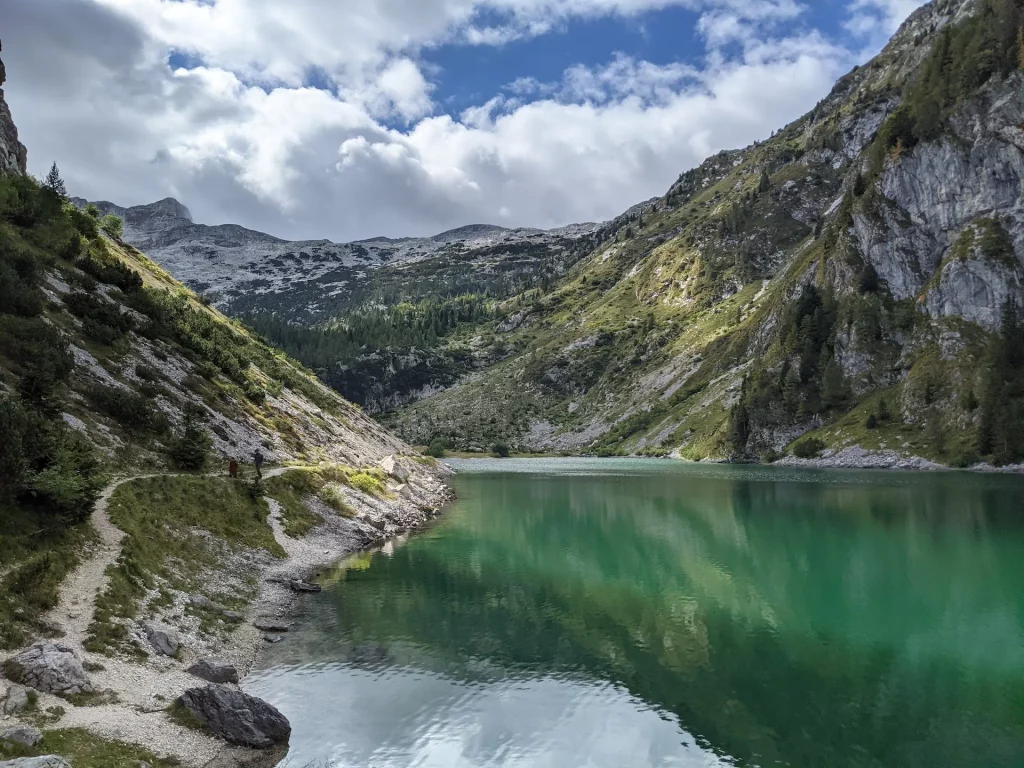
[(77, 602)]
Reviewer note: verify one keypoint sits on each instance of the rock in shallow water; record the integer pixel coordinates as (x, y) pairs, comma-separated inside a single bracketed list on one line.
[(237, 717), (51, 668)]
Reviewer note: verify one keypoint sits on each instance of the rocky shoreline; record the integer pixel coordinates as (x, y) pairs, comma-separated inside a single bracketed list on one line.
[(139, 700)]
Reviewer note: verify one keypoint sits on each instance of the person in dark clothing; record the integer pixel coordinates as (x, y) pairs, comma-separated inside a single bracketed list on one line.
[(257, 458), (233, 469)]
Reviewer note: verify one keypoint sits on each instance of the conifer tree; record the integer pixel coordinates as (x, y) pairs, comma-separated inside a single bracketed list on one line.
[(55, 183)]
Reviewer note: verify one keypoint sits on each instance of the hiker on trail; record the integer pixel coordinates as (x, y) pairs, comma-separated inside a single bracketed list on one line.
[(257, 458), (233, 469)]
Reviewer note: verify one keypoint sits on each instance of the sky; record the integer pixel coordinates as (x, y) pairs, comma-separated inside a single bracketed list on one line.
[(348, 119)]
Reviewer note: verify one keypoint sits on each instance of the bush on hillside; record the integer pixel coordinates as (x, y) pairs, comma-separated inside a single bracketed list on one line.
[(112, 225), (501, 450), (808, 448), (190, 449), (130, 409), (44, 464), (436, 449)]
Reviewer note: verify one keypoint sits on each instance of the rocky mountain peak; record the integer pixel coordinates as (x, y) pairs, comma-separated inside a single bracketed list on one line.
[(13, 155)]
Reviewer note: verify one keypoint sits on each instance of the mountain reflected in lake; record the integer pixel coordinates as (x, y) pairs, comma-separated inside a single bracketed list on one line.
[(644, 613)]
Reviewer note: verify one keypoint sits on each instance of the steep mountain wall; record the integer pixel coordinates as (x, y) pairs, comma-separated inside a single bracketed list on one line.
[(13, 155)]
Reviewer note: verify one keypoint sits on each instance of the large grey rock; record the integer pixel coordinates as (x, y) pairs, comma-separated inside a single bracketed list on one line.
[(15, 699), (51, 668), (45, 761), (237, 717), (164, 640), (393, 467), (214, 671), (21, 734)]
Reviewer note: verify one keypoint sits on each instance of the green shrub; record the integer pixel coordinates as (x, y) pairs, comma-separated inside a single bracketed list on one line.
[(332, 496), (367, 483), (112, 225), (501, 450), (808, 448), (436, 449), (132, 410), (40, 354), (45, 464), (101, 319)]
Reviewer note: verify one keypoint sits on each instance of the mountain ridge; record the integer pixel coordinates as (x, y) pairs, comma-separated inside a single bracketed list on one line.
[(851, 270)]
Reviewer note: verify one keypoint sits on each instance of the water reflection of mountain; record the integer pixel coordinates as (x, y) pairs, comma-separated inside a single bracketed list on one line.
[(783, 622)]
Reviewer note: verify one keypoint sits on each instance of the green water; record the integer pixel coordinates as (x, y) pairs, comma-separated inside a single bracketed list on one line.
[(616, 613)]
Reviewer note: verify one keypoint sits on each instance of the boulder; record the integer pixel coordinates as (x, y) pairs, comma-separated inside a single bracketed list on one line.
[(237, 717), (214, 671), (272, 639), (233, 616), (271, 625), (51, 668), (21, 734), (46, 761), (15, 700), (394, 468), (163, 639)]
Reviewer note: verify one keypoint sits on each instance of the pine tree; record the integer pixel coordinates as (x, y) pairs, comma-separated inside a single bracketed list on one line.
[(764, 183), (834, 391), (55, 183), (192, 447)]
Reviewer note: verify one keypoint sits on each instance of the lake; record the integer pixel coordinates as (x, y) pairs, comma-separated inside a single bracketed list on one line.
[(614, 613)]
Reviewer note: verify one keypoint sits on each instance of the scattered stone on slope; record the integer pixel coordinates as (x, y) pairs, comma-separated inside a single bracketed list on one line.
[(44, 761), (164, 640), (51, 668), (25, 735), (15, 699), (214, 671), (237, 717)]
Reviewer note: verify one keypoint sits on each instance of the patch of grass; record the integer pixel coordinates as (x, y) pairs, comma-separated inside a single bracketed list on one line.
[(290, 490), (39, 552), (183, 716), (332, 496), (158, 516), (86, 750), (368, 483)]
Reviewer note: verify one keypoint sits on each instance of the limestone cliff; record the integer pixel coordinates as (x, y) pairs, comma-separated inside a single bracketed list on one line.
[(13, 155)]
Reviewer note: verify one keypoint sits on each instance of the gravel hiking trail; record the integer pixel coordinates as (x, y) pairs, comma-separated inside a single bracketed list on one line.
[(78, 592)]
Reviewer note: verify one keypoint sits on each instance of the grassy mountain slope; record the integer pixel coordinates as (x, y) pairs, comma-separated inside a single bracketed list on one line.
[(109, 366), (846, 277)]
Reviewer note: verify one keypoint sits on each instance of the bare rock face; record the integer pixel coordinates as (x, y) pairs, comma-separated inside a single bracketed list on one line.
[(237, 717), (214, 671), (13, 155), (25, 735), (51, 668), (45, 761)]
